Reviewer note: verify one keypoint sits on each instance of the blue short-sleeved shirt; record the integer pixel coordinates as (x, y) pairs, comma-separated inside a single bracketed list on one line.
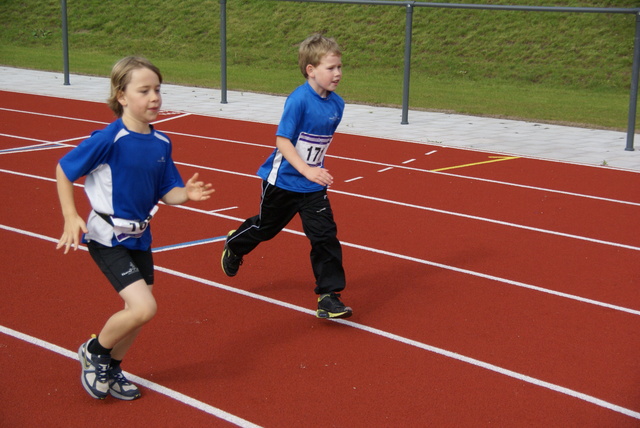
[(309, 121), (127, 174)]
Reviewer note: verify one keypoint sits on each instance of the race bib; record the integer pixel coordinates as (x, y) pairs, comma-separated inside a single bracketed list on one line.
[(312, 148), (124, 229)]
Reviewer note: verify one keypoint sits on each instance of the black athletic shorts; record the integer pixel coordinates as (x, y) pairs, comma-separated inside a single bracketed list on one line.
[(122, 266)]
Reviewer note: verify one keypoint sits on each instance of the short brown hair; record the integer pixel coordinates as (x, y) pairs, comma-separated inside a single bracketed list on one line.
[(313, 48), (121, 76)]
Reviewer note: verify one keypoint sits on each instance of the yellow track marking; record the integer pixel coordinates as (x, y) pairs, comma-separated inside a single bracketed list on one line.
[(494, 159)]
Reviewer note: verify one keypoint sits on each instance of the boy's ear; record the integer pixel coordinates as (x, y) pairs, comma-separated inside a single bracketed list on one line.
[(309, 69), (121, 99)]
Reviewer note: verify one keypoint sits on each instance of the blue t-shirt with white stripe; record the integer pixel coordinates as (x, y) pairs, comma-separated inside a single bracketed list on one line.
[(309, 121), (126, 175)]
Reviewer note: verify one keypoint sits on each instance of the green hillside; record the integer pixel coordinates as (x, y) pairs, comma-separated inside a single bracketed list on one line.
[(562, 67)]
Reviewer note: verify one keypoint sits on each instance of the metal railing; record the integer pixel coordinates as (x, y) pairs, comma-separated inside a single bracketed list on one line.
[(410, 5)]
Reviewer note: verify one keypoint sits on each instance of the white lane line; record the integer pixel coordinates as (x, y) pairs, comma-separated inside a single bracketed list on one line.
[(353, 179)]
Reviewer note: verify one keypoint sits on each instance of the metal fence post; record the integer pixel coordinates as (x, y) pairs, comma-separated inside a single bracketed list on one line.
[(407, 64), (223, 51), (633, 97), (65, 41)]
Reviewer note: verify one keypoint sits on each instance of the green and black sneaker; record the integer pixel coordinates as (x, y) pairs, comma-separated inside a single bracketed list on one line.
[(330, 306), (230, 262)]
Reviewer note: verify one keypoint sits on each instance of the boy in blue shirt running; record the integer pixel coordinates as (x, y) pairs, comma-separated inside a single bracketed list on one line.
[(129, 169), (295, 180)]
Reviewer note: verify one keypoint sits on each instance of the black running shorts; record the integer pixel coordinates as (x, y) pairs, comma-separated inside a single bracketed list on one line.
[(122, 266)]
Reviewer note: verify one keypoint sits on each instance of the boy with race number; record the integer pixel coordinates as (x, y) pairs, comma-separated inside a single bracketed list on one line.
[(295, 180)]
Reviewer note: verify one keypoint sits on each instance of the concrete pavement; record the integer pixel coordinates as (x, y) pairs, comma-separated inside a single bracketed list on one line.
[(501, 136)]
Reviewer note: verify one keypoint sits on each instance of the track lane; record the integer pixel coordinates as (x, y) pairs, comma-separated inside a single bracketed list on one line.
[(253, 346), (287, 283), (411, 317)]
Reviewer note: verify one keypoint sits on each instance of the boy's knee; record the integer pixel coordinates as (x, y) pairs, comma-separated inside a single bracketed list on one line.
[(144, 313), (150, 311)]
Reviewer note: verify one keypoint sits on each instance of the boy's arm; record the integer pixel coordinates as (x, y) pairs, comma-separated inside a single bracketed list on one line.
[(73, 223), (192, 191), (315, 174)]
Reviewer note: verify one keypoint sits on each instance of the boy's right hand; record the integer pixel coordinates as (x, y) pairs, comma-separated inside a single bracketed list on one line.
[(71, 235)]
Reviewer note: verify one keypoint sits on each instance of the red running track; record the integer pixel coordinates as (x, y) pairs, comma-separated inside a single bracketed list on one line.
[(487, 291)]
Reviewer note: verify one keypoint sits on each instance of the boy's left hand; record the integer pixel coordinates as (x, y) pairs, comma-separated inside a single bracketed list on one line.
[(197, 190), (318, 175)]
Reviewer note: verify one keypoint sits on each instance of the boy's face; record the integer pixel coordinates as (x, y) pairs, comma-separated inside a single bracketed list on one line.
[(324, 77), (141, 99)]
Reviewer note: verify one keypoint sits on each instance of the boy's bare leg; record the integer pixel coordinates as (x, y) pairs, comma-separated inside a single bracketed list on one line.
[(121, 329)]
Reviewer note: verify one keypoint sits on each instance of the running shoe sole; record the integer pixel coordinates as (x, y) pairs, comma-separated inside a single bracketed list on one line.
[(321, 313)]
